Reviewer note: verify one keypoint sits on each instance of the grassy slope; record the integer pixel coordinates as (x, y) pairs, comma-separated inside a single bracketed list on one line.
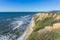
[(53, 35)]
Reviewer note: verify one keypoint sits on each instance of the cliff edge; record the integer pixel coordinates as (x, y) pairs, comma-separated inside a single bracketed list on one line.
[(44, 26)]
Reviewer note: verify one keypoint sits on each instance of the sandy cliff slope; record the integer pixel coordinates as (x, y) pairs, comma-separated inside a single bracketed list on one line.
[(54, 21)]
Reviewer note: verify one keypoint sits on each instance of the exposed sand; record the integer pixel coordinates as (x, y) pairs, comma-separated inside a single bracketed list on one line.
[(50, 28), (29, 29)]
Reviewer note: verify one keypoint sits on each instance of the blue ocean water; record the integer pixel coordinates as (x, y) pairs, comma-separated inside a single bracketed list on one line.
[(13, 24)]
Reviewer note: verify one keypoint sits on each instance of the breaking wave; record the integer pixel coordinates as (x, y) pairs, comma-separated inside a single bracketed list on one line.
[(14, 28)]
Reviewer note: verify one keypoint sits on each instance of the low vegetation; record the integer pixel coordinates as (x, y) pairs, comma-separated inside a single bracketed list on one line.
[(42, 23), (53, 35)]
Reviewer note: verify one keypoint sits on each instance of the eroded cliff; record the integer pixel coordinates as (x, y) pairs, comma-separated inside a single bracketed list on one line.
[(44, 26)]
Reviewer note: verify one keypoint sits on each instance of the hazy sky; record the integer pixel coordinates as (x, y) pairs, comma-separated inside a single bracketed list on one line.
[(29, 5)]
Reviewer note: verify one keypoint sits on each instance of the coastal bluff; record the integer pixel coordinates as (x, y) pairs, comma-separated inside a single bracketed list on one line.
[(43, 23)]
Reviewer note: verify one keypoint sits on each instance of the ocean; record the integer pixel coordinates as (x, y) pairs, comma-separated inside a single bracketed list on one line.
[(14, 24)]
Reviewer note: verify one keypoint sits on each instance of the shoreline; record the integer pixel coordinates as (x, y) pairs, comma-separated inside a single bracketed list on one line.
[(29, 29)]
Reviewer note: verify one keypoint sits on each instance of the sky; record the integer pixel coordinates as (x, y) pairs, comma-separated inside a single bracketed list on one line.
[(29, 5)]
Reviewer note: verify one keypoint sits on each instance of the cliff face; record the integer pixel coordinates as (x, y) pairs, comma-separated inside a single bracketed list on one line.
[(29, 29), (42, 23)]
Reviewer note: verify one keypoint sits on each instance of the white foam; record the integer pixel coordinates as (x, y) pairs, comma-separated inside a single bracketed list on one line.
[(4, 37), (25, 16), (19, 23), (26, 19)]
